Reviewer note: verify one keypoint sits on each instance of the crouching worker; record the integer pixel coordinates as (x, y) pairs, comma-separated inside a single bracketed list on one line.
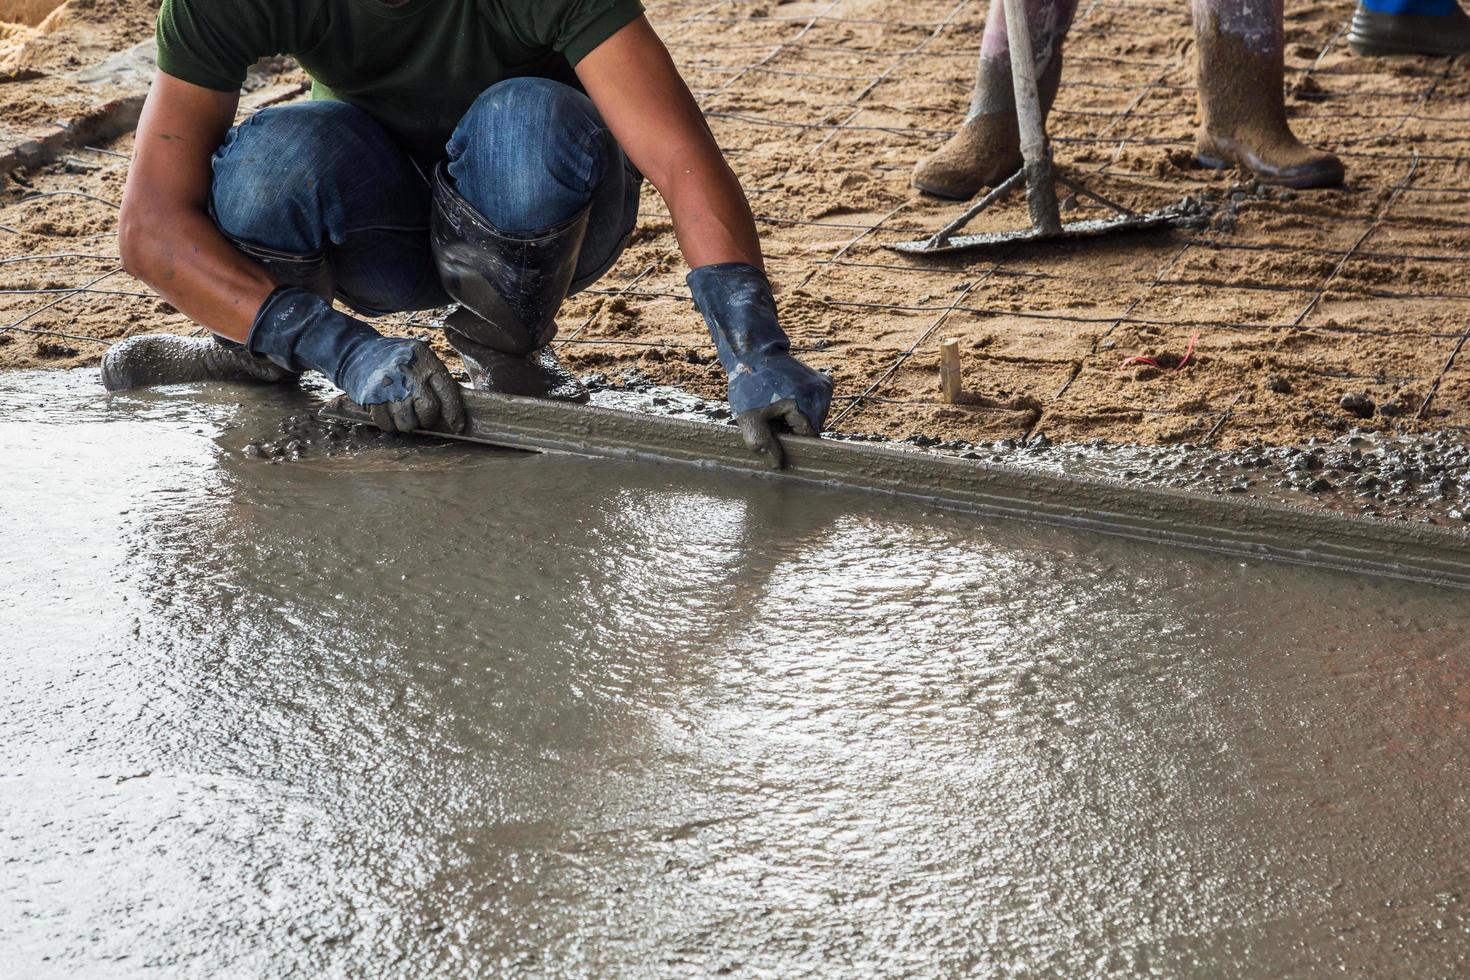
[(454, 151)]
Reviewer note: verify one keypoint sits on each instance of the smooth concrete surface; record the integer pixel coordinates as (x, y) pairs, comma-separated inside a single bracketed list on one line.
[(431, 709)]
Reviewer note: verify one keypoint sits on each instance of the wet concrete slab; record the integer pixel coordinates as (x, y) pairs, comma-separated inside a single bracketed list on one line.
[(408, 708), (1195, 514)]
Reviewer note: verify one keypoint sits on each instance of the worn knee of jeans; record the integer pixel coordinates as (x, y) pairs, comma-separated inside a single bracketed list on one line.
[(282, 176), (530, 153)]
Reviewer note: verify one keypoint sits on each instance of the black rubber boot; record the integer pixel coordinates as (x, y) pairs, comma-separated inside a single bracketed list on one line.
[(1373, 33), (537, 375), (510, 286)]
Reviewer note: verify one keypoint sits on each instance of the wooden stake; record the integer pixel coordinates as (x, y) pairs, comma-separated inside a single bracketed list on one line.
[(951, 374)]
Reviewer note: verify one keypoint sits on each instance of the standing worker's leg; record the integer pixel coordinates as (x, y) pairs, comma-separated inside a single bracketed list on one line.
[(1242, 105), (320, 195), (1432, 27), (535, 202), (987, 148)]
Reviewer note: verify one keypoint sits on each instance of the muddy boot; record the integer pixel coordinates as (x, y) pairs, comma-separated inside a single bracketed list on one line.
[(1436, 28), (163, 359), (537, 375), (985, 151), (510, 286), (150, 360), (987, 148), (1242, 104)]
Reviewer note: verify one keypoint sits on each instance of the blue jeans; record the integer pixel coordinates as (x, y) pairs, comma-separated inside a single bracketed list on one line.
[(324, 179)]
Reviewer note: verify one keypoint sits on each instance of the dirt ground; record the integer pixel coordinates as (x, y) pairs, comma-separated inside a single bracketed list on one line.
[(1297, 298)]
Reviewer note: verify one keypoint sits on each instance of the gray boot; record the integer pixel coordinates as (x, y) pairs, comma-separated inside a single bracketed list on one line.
[(510, 286), (150, 360)]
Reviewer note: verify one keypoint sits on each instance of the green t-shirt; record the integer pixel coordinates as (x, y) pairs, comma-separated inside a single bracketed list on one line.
[(415, 66)]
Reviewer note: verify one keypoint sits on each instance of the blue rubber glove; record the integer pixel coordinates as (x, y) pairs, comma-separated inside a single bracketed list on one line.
[(769, 389), (402, 383)]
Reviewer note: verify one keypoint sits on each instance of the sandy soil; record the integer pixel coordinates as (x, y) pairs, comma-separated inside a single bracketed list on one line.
[(43, 47), (1298, 298)]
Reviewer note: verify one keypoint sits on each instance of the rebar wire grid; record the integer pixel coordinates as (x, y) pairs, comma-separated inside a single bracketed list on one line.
[(824, 107)]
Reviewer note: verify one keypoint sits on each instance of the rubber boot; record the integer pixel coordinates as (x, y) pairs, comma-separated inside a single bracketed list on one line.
[(1242, 104), (1441, 30), (509, 286), (987, 148), (150, 360), (536, 375)]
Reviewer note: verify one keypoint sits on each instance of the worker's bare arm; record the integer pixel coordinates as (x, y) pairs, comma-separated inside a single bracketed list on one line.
[(646, 104), (165, 233)]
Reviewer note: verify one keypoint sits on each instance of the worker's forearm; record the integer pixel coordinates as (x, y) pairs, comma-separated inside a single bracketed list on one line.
[(711, 217), (190, 264)]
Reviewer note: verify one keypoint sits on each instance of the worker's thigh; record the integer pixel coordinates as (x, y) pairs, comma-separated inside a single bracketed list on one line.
[(531, 153), (326, 179)]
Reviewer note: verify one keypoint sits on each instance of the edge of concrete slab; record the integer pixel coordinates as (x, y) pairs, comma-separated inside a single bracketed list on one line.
[(1252, 528)]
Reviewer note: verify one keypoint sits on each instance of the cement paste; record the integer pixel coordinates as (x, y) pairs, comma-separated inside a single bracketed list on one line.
[(427, 709)]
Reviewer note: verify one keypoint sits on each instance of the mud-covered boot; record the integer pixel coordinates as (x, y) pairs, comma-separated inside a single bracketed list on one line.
[(982, 153), (151, 360), (1428, 27), (1242, 104), (987, 148), (509, 286), (540, 374)]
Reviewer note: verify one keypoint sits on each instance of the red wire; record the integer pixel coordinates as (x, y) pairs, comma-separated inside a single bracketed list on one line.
[(1183, 362), (1193, 343)]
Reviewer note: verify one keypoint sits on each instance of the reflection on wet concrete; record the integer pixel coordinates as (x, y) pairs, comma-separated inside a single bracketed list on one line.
[(420, 708)]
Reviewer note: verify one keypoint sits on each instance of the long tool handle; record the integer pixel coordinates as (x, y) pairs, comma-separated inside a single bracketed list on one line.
[(1041, 192)]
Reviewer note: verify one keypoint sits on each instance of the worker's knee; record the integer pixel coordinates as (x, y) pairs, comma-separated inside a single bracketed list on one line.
[(281, 178), (530, 153)]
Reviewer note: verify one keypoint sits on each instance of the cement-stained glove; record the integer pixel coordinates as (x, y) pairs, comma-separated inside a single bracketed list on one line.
[(768, 387), (401, 383)]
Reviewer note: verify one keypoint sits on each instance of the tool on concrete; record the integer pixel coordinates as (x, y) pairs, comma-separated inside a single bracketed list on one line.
[(951, 372), (1041, 177), (1185, 518)]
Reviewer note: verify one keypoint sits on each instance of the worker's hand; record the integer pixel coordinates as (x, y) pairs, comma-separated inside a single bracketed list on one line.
[(402, 383), (770, 391)]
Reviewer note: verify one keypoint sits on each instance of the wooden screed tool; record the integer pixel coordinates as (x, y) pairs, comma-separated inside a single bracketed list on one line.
[(1041, 177)]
